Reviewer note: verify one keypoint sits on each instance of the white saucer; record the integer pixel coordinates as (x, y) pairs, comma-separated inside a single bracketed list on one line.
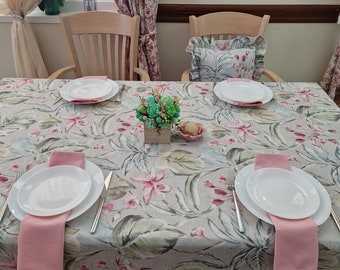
[(319, 217), (230, 92), (54, 190), (283, 193), (97, 183), (89, 89)]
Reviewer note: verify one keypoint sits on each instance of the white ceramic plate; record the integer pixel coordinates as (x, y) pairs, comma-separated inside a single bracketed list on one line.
[(54, 190), (283, 193), (89, 89), (97, 183), (231, 92), (319, 217)]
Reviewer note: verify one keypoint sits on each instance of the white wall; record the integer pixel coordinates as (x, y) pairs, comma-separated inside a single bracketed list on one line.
[(297, 52)]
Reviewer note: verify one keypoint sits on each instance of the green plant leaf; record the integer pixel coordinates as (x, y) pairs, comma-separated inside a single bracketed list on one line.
[(142, 238)]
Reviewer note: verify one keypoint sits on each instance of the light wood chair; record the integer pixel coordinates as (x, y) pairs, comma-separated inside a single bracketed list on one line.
[(102, 43), (228, 25)]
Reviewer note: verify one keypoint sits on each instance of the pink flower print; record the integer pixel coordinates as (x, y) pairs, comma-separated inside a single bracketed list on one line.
[(218, 202), (84, 267), (15, 167), (3, 179), (306, 94), (131, 202), (75, 121), (214, 142), (25, 81), (231, 140), (35, 133), (54, 131), (209, 184), (222, 179), (243, 130), (197, 232), (101, 263), (152, 186), (98, 146), (108, 207)]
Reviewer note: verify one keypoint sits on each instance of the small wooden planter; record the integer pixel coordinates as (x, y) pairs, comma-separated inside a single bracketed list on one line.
[(151, 135)]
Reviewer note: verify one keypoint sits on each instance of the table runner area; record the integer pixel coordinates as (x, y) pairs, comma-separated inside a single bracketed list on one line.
[(182, 215)]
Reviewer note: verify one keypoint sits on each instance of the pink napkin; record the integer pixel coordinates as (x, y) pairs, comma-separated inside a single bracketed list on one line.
[(41, 239), (85, 101), (296, 240)]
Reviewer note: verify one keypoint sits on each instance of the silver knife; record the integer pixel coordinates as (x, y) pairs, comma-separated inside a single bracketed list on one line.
[(335, 217), (101, 202)]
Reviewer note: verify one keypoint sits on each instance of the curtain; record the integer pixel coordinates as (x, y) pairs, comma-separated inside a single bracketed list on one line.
[(28, 61), (330, 81), (148, 56)]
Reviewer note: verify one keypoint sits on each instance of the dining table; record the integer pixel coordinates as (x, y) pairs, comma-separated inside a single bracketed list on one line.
[(168, 205)]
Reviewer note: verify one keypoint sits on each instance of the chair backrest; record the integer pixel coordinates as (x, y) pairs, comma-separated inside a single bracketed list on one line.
[(227, 25), (103, 43)]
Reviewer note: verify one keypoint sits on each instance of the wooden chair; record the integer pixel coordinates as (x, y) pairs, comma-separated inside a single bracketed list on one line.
[(102, 43), (228, 25)]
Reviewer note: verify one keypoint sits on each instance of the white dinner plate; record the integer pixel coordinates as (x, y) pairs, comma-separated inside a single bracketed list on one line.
[(97, 183), (89, 89), (54, 190), (283, 193), (319, 217), (243, 92)]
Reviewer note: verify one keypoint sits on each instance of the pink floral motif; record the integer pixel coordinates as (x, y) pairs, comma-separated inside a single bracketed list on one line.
[(243, 130), (198, 232), (315, 136), (152, 185), (75, 121), (101, 263), (306, 93), (131, 202), (108, 207)]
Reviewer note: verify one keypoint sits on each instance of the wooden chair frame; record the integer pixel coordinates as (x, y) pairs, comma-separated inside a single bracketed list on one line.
[(102, 43)]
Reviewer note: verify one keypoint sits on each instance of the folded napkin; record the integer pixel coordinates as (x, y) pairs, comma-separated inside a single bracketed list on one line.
[(238, 80), (85, 101), (296, 240), (41, 239), (243, 103)]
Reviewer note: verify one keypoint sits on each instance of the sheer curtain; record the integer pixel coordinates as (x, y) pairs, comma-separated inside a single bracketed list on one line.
[(148, 56), (330, 81), (27, 57)]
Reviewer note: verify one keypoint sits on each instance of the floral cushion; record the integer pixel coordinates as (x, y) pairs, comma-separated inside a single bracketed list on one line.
[(215, 65), (258, 44)]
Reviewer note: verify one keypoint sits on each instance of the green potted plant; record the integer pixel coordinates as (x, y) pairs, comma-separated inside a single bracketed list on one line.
[(51, 7)]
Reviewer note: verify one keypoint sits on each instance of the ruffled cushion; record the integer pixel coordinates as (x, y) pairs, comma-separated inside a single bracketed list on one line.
[(223, 49), (219, 65)]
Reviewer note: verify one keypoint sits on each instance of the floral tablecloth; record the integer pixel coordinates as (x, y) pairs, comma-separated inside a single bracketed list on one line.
[(168, 206)]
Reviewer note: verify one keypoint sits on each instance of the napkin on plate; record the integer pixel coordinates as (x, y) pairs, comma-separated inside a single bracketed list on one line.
[(296, 240), (243, 103), (41, 239)]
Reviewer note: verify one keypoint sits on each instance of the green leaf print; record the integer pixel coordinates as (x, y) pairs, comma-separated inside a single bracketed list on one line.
[(142, 238)]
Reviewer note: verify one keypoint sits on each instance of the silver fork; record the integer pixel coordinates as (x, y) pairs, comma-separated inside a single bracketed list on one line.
[(231, 187)]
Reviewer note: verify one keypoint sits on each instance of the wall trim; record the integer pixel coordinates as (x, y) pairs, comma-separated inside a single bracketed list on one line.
[(279, 13)]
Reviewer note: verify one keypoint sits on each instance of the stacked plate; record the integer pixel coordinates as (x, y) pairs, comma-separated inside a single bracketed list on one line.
[(49, 191), (290, 194), (89, 90), (243, 92)]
